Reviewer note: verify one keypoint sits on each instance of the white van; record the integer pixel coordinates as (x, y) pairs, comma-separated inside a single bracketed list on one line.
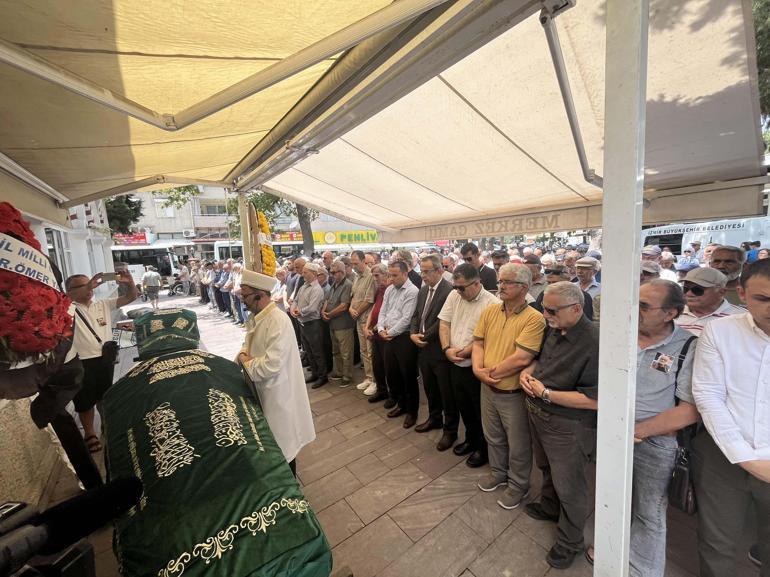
[(730, 232)]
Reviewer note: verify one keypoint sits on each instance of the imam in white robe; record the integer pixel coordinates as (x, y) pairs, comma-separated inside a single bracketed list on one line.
[(276, 370)]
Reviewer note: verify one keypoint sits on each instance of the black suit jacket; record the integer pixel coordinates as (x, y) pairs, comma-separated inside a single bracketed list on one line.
[(440, 293)]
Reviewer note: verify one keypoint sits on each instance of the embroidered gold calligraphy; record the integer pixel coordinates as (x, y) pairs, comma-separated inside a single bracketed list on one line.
[(156, 325), (252, 426), (214, 547), (168, 368), (135, 465), (224, 416), (171, 449), (180, 324)]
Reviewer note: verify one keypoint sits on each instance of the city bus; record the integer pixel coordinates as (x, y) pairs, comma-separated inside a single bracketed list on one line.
[(729, 232), (137, 258), (234, 249)]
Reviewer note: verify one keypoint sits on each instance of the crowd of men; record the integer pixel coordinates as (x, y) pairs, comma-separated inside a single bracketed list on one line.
[(508, 342)]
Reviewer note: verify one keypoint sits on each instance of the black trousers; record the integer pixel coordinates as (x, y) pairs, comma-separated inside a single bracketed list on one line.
[(219, 300), (466, 390), (401, 371), (327, 340), (73, 444), (442, 407), (203, 290), (313, 343), (725, 494), (378, 367), (562, 448)]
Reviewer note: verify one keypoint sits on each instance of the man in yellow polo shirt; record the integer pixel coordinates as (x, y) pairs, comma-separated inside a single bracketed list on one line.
[(506, 340)]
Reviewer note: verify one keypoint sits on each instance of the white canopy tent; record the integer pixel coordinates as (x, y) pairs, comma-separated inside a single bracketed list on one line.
[(425, 119)]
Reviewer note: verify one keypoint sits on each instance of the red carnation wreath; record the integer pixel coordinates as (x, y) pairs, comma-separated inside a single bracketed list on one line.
[(34, 317)]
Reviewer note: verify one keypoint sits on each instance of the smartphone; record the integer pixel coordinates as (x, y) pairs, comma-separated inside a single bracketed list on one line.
[(109, 276)]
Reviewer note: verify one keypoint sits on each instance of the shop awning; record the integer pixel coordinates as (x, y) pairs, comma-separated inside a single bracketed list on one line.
[(443, 119)]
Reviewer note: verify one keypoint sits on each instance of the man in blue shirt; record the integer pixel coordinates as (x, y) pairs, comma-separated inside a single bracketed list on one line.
[(398, 305)]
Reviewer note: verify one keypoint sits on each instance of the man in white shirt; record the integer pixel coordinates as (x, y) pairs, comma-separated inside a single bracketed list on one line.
[(92, 327), (458, 316), (704, 291), (731, 459)]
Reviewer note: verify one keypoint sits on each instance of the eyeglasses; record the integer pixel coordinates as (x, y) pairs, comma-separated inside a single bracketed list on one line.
[(461, 288), (698, 291), (552, 271), (73, 288), (468, 258), (445, 267), (555, 311), (505, 282)]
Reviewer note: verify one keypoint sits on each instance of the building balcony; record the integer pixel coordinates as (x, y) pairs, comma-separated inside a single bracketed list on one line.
[(210, 220)]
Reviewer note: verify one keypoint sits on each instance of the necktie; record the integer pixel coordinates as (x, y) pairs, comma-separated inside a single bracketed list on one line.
[(425, 310)]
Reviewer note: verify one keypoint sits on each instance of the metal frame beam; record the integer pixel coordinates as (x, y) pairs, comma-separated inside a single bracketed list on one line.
[(547, 19), (624, 131), (391, 15), (137, 184), (462, 28), (17, 171)]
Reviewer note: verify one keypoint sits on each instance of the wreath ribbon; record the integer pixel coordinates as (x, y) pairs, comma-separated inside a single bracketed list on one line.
[(19, 257)]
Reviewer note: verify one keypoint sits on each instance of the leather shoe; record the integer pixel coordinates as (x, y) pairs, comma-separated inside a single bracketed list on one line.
[(390, 403), (319, 383), (477, 459), (409, 421), (396, 412), (377, 397), (311, 378), (446, 441), (536, 511), (464, 448), (426, 426)]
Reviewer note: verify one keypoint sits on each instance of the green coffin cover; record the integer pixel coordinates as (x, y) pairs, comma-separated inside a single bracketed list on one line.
[(219, 498), (166, 331)]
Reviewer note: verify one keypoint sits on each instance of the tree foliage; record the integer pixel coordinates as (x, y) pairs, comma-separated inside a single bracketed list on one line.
[(761, 9), (122, 212), (179, 196)]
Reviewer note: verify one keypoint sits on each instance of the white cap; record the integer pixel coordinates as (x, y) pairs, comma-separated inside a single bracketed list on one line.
[(258, 280), (312, 267)]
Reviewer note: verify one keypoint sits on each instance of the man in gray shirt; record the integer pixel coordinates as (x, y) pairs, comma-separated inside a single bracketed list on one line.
[(664, 405), (306, 308), (335, 311)]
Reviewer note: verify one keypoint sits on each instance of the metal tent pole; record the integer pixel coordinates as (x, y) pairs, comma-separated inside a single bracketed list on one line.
[(625, 101), (243, 212)]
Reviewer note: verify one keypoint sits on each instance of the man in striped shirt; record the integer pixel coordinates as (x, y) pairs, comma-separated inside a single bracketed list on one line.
[(704, 290)]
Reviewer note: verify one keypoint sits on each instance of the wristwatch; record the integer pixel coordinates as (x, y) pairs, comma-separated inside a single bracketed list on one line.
[(546, 395)]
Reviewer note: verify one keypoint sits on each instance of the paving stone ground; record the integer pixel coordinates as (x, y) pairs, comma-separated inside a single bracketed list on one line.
[(392, 506)]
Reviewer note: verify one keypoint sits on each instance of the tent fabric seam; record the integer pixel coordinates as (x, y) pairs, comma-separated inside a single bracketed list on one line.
[(390, 168), (506, 136)]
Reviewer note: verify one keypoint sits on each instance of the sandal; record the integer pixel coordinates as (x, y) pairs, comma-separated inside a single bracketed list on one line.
[(590, 554), (93, 444)]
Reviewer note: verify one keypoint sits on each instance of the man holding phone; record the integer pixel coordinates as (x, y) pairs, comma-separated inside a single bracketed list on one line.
[(92, 328)]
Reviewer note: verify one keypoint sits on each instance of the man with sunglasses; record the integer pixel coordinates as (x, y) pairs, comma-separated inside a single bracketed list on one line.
[(704, 291), (458, 318), (271, 359), (664, 405), (470, 253), (433, 364), (562, 385)]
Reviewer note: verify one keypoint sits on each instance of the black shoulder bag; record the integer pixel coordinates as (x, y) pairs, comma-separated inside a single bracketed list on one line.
[(109, 348), (681, 492)]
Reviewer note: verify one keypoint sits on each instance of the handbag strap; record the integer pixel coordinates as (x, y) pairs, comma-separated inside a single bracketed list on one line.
[(82, 318), (686, 435)]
